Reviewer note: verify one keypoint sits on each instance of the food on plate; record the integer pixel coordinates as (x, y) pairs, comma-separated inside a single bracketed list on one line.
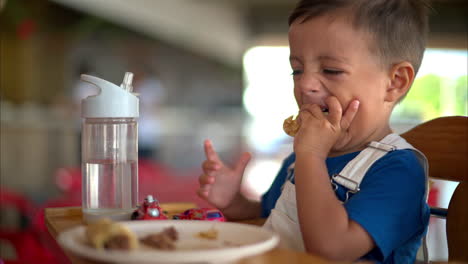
[(291, 126), (164, 240), (208, 214), (106, 234), (208, 234)]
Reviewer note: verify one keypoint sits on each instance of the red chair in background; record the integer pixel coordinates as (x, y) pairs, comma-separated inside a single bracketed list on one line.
[(34, 244), (168, 185), (156, 179), (25, 239)]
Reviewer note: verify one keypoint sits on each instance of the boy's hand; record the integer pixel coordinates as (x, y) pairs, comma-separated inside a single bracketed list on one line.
[(219, 184), (318, 132)]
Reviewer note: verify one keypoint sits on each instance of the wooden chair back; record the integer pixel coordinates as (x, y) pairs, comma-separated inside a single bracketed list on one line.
[(444, 141)]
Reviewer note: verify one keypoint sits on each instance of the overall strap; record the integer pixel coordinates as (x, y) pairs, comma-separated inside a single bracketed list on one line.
[(353, 173)]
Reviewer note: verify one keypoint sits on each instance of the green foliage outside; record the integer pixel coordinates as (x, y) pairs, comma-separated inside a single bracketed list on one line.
[(461, 89), (424, 101)]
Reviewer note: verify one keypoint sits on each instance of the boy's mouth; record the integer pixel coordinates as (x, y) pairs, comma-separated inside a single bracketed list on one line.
[(321, 104), (324, 110)]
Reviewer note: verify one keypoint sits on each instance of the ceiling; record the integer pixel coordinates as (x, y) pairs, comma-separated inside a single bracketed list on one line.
[(224, 29), (213, 28)]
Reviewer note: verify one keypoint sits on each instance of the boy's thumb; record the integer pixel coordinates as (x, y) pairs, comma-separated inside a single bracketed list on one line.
[(243, 161)]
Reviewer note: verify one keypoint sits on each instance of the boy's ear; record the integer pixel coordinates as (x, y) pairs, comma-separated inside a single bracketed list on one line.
[(401, 78)]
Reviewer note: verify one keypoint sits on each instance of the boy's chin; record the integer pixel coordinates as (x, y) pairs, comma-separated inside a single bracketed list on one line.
[(343, 146)]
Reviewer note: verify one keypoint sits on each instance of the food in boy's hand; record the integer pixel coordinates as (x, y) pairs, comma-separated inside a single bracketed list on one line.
[(291, 126), (208, 234), (164, 240), (106, 234)]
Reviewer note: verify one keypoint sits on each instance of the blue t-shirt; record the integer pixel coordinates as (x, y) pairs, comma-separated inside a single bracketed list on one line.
[(390, 206)]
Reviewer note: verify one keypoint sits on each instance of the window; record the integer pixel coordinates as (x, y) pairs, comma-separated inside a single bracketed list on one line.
[(440, 88)]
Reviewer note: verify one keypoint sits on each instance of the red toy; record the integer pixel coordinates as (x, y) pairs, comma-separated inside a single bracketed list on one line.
[(149, 210), (208, 214)]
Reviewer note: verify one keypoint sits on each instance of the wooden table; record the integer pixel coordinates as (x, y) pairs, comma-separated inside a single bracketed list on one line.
[(60, 219)]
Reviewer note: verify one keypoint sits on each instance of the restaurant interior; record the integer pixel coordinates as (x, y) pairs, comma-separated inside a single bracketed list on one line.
[(204, 69)]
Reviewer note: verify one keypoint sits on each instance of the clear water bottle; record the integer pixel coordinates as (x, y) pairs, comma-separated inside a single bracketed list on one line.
[(109, 150)]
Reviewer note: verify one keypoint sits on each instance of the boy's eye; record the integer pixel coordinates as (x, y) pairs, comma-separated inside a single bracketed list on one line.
[(296, 72), (332, 71)]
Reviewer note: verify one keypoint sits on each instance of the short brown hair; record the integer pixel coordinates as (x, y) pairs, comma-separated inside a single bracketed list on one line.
[(398, 27)]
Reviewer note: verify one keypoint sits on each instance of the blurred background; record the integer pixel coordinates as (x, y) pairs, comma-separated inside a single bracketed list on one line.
[(205, 69)]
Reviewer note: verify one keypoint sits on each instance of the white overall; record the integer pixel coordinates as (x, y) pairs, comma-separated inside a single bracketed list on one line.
[(284, 219)]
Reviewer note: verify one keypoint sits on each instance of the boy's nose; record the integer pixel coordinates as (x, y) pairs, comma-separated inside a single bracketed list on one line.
[(309, 84)]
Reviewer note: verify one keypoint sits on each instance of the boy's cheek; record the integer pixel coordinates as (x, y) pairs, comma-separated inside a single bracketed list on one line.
[(297, 95), (298, 98)]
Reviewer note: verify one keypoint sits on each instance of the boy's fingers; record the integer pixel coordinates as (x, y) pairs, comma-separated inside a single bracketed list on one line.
[(209, 151), (243, 161), (308, 110), (349, 114), (202, 193), (206, 179), (209, 165), (205, 187), (335, 111), (316, 111)]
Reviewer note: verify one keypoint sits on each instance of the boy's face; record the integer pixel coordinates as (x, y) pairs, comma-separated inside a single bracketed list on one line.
[(330, 58)]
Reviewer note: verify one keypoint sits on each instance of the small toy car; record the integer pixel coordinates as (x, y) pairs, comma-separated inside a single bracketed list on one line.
[(149, 210), (207, 214)]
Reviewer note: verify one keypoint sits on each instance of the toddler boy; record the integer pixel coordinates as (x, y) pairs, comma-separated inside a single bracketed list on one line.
[(352, 189)]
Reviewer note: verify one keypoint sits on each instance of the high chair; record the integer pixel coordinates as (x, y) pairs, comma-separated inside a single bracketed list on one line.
[(444, 141)]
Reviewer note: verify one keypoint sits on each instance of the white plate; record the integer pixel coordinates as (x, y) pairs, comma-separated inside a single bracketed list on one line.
[(234, 241)]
